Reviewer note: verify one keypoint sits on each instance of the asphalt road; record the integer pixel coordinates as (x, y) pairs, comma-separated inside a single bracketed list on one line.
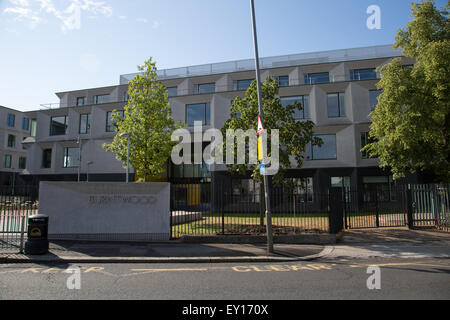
[(330, 279)]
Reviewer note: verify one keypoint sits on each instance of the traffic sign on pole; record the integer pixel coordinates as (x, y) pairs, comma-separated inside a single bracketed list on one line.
[(260, 128)]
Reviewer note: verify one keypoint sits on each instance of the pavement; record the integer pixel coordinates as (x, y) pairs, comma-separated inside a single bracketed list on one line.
[(368, 243)]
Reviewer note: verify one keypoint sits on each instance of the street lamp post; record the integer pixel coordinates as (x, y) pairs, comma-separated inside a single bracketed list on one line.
[(261, 113), (127, 135)]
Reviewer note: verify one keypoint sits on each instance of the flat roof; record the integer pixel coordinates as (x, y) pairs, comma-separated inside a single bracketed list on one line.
[(353, 54)]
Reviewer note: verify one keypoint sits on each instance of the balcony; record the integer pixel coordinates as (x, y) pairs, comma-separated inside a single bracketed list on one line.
[(301, 59)]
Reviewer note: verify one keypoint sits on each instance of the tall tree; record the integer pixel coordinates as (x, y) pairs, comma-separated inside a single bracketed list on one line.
[(411, 124), (147, 118), (294, 135)]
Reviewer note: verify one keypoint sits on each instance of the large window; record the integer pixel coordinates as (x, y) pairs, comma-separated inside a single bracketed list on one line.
[(85, 123), (71, 157), (303, 100), (242, 85), (172, 91), (373, 98), (11, 120), (336, 105), (379, 188), (110, 124), (22, 163), (340, 182), (344, 183), (328, 150), (47, 158), (101, 99), (246, 190), (363, 74), (283, 81), (314, 78), (81, 101), (191, 171), (7, 159), (25, 124), (58, 126), (11, 141), (365, 140), (198, 112), (204, 88), (301, 188)]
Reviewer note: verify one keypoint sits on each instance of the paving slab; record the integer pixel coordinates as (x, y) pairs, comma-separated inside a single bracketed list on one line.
[(388, 235), (72, 251)]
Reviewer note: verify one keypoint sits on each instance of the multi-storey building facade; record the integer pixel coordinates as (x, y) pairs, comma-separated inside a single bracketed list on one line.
[(337, 88), (14, 128)]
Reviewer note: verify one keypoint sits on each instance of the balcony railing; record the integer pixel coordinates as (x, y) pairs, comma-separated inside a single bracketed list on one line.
[(365, 53)]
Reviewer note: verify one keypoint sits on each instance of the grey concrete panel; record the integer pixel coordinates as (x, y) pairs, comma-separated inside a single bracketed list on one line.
[(106, 211)]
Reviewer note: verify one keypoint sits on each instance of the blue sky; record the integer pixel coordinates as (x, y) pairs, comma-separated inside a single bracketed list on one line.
[(45, 48)]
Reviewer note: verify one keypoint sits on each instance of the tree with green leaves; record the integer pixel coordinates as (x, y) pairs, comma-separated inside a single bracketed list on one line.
[(294, 135), (147, 118), (411, 124)]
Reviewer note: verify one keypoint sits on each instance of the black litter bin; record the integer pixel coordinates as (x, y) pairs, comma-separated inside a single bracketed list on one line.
[(37, 242)]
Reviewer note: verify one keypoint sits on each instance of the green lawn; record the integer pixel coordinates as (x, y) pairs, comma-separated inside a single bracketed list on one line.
[(247, 223)]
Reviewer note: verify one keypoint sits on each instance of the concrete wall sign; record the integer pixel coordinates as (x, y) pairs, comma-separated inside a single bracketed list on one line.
[(106, 211)]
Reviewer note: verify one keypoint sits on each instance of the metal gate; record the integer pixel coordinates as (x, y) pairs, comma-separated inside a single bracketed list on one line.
[(430, 206), (16, 205), (375, 209)]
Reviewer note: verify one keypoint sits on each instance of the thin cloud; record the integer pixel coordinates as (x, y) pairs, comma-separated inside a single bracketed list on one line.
[(143, 20), (70, 17), (156, 24), (23, 3)]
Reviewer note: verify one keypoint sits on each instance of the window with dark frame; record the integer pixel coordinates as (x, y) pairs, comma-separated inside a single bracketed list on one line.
[(11, 141), (11, 120), (25, 124), (344, 183), (373, 98), (304, 102), (328, 150), (58, 126), (81, 101), (85, 123), (242, 85), (71, 157), (316, 78), (22, 163), (336, 105), (47, 158), (283, 81), (110, 124), (246, 190), (363, 74), (379, 189), (198, 112), (7, 159), (365, 140), (204, 88), (100, 99), (301, 188)]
